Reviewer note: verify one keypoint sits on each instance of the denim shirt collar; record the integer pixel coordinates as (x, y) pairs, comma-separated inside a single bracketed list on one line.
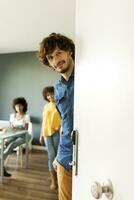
[(64, 81)]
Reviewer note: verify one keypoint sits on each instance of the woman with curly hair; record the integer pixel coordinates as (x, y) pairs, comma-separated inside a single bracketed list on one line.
[(19, 120), (50, 132)]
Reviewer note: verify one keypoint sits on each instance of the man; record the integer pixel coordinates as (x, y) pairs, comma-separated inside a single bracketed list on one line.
[(57, 52)]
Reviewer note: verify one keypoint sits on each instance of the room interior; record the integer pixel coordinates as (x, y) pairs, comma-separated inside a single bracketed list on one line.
[(23, 24)]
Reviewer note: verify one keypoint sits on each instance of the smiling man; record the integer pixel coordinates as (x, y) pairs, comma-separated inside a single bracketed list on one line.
[(57, 51)]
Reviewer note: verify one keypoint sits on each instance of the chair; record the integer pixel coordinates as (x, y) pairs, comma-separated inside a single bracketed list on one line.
[(19, 150)]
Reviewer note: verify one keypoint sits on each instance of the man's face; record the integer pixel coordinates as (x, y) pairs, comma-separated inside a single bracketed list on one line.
[(60, 60)]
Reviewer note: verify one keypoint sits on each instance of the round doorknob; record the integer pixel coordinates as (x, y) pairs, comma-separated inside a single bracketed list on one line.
[(97, 189)]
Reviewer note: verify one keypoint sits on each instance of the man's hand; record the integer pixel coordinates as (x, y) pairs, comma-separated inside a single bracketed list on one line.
[(55, 165)]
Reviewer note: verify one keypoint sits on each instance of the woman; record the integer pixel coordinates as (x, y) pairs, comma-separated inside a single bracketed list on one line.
[(19, 120), (51, 125)]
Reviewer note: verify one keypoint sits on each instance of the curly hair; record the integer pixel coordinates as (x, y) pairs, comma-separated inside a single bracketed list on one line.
[(48, 45), (22, 101), (46, 90)]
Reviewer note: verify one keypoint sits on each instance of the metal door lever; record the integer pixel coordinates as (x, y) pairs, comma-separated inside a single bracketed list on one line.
[(74, 163)]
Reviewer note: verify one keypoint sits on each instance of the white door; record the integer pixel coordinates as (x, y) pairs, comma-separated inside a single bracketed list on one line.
[(104, 96)]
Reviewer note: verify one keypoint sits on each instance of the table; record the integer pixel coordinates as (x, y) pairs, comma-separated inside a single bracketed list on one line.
[(7, 135)]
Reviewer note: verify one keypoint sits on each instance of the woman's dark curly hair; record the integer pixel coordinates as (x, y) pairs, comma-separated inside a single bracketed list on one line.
[(48, 45), (22, 101), (46, 90)]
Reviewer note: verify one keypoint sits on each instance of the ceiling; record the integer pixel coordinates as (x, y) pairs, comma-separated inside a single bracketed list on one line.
[(24, 23)]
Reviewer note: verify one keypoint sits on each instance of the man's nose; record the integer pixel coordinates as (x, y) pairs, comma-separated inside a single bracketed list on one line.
[(56, 60)]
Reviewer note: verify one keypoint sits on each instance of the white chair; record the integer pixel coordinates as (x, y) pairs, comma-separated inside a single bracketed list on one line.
[(6, 124), (19, 150)]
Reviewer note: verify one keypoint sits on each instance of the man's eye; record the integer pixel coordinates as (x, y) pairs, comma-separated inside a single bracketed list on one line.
[(58, 53), (50, 57)]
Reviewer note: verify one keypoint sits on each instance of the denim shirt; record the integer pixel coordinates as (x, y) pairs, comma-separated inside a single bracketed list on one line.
[(64, 97)]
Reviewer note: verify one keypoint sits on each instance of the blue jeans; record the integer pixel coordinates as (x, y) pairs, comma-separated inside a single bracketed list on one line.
[(13, 143), (52, 143)]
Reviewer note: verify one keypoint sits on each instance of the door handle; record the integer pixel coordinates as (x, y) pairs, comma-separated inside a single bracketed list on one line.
[(107, 189), (74, 163)]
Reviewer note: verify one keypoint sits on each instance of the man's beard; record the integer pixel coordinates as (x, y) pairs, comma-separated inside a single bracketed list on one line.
[(62, 71)]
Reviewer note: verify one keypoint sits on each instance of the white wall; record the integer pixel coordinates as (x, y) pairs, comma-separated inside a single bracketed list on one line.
[(24, 23)]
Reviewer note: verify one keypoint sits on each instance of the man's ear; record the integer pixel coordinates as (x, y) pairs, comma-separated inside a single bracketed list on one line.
[(71, 53)]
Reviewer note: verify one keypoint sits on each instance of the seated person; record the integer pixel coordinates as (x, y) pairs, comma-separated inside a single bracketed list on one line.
[(19, 120)]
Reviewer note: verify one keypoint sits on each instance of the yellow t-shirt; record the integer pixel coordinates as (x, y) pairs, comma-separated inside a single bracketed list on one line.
[(51, 120)]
